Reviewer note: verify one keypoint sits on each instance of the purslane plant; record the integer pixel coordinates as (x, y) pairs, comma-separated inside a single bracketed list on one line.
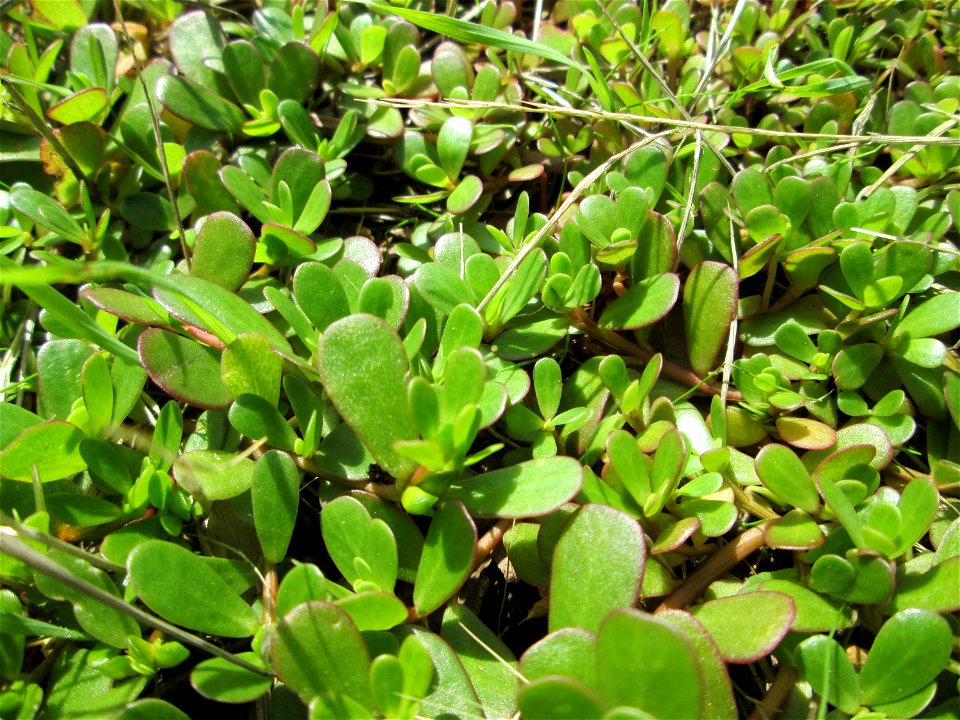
[(585, 359)]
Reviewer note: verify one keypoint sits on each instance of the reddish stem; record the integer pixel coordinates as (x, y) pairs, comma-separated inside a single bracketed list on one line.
[(669, 370), (776, 694), (722, 560)]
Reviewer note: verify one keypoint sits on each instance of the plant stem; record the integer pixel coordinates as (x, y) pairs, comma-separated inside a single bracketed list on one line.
[(382, 490), (669, 370), (55, 543), (725, 558), (157, 135), (792, 294), (488, 543), (17, 548), (50, 136), (269, 593), (777, 693)]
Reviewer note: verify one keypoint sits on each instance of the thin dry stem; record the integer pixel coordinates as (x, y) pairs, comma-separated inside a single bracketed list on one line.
[(595, 115), (157, 135)]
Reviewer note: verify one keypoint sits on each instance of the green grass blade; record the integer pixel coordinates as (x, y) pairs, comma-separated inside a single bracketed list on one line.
[(468, 32)]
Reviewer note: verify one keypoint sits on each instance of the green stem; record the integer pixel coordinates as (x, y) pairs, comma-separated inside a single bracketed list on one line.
[(51, 137)]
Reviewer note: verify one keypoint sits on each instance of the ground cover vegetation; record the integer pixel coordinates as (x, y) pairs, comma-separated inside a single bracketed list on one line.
[(479, 360)]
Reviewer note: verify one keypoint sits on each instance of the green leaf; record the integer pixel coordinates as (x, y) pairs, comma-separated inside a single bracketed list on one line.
[(548, 385), (301, 170), (597, 567), (559, 698), (535, 487), (205, 603), (257, 418), (126, 305), (570, 652), (249, 366), (247, 192), (89, 105), (647, 663), (52, 447), (223, 681), (465, 195), (315, 209), (94, 53), (925, 352), (244, 70), (938, 315), (337, 705), (280, 245), (364, 366), (201, 172), (918, 507), (930, 588), (647, 302), (97, 391), (827, 668), (293, 73), (319, 294), (522, 286), (453, 143), (487, 660), (794, 531), (148, 211), (386, 297), (658, 251), (198, 105), (301, 584), (184, 369), (212, 308), (853, 365), (782, 472), (748, 626), (223, 251), (317, 648), (910, 650), (833, 470), (447, 559), (196, 44), (106, 463), (386, 679), (105, 623), (815, 613), (60, 366), (718, 701), (213, 474), (709, 307), (275, 492), (451, 691), (151, 709), (48, 213), (82, 510), (374, 610), (350, 533)]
